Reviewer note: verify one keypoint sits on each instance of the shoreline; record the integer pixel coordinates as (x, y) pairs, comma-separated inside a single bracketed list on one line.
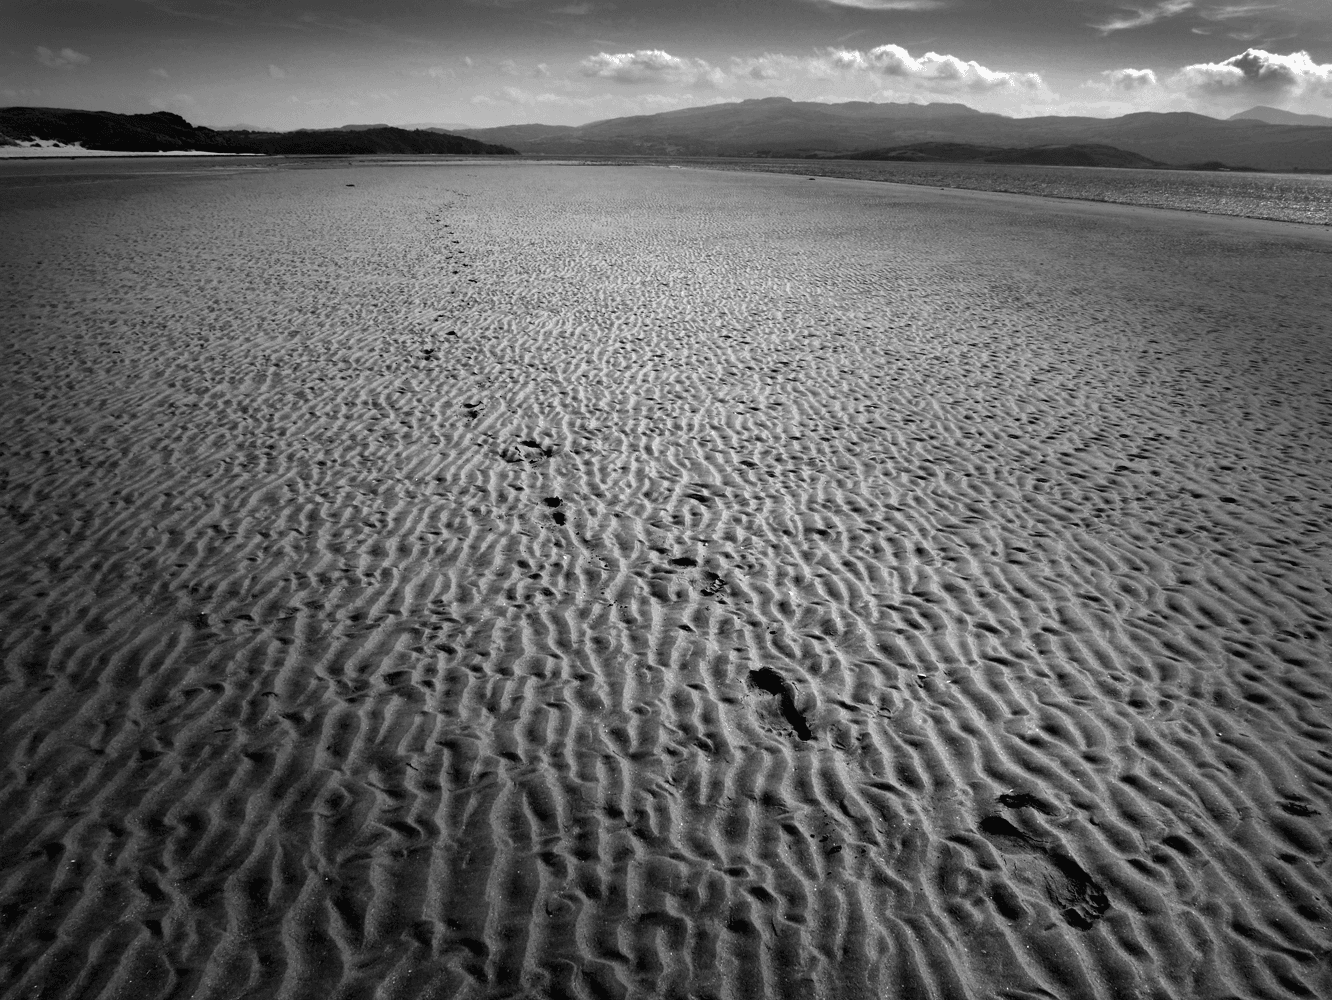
[(78, 153), (837, 169), (834, 170)]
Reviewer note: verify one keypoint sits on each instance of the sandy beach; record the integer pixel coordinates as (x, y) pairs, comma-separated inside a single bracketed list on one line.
[(506, 580)]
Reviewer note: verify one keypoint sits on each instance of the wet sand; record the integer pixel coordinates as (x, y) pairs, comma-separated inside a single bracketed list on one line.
[(513, 580)]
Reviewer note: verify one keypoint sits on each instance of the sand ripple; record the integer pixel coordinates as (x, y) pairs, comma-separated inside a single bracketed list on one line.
[(516, 580)]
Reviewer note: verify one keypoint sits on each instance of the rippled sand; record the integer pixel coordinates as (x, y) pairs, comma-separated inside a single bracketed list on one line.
[(513, 580)]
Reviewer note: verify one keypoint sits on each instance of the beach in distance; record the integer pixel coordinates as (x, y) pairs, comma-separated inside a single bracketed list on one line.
[(489, 580)]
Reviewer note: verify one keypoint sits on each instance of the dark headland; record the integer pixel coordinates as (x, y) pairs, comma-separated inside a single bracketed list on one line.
[(162, 131)]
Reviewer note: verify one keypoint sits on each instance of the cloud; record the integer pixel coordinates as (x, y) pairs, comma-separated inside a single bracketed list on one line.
[(1232, 11), (932, 71), (892, 72), (159, 71), (1129, 79), (766, 67), (64, 59), (574, 9), (528, 99), (1259, 72), (1143, 16), (650, 66), (887, 4), (1250, 26), (277, 72), (882, 73)]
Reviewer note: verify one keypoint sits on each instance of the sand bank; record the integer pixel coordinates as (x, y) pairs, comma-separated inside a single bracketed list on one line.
[(518, 580)]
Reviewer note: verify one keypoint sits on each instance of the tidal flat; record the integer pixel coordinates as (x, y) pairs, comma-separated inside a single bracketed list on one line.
[(502, 579)]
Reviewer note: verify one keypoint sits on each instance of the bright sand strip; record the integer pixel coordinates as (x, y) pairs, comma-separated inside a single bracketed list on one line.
[(423, 586), (57, 151)]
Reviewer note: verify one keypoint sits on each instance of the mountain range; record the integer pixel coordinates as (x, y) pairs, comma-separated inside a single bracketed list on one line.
[(1261, 138), (778, 126), (422, 126), (1276, 116)]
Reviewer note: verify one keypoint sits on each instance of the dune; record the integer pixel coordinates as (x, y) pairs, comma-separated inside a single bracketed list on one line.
[(496, 580)]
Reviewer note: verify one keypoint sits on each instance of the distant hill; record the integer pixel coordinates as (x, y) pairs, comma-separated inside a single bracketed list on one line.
[(1275, 116), (440, 127), (1082, 155), (777, 126), (421, 127), (368, 141), (162, 131)]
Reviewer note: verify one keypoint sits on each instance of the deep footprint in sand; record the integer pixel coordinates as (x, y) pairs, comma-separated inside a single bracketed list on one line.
[(1075, 894), (770, 681)]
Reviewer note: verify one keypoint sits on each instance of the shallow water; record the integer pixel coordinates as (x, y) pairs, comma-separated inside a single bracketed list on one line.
[(1303, 198)]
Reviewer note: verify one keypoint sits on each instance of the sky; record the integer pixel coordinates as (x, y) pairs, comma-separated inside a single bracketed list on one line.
[(288, 64)]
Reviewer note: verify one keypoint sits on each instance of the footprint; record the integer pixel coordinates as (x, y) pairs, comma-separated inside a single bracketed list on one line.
[(713, 584), (1075, 894), (557, 515), (768, 680)]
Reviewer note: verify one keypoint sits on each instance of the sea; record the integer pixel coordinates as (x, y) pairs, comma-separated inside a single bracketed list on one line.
[(1305, 198)]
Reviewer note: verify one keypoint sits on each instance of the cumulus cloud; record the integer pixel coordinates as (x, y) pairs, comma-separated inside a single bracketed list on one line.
[(892, 72), (883, 73), (1259, 72), (1143, 16), (649, 66), (1254, 75), (159, 72), (766, 67), (277, 72), (64, 59), (931, 71), (1129, 79)]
